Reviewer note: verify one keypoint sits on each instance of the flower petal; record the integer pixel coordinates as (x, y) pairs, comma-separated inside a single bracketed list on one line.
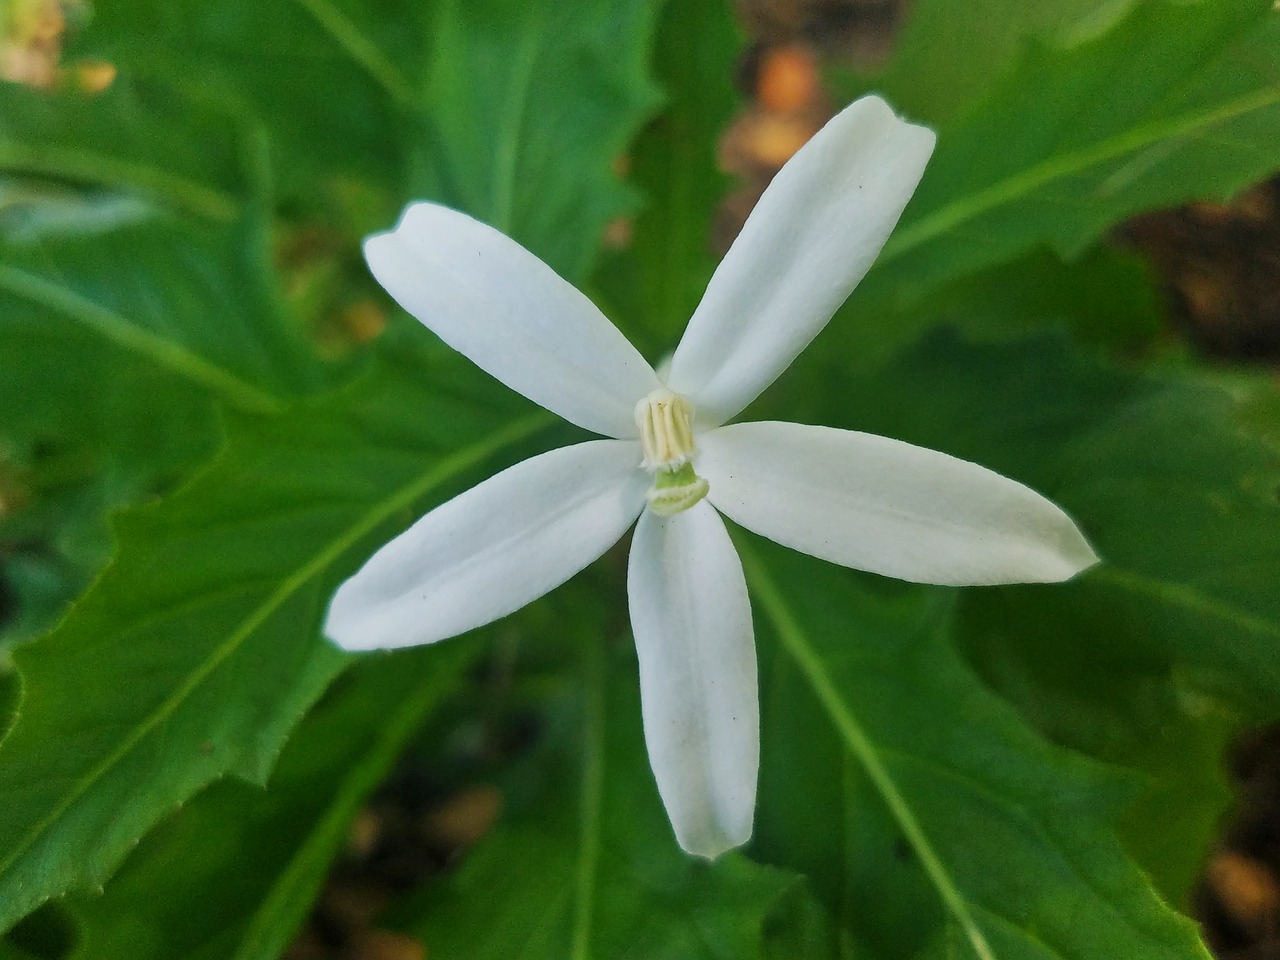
[(489, 551), (493, 301), (886, 506), (692, 623), (809, 240)]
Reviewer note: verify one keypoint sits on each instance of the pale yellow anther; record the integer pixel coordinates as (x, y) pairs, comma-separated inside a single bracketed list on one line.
[(665, 420)]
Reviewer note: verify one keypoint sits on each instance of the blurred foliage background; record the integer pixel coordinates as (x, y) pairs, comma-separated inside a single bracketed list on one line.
[(211, 415)]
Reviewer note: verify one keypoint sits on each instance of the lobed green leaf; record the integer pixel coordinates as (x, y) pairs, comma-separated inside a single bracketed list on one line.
[(198, 649), (265, 852), (1152, 659), (931, 818), (1176, 101)]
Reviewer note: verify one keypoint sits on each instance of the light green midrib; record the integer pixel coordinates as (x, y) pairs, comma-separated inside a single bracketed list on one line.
[(401, 499), (100, 170), (275, 919), (136, 339), (859, 744), (507, 153), (1055, 168), (360, 49)]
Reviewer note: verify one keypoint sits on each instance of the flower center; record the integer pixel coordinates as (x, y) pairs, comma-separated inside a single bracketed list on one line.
[(666, 434)]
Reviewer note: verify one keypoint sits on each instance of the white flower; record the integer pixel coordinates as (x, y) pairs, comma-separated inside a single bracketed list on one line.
[(863, 501)]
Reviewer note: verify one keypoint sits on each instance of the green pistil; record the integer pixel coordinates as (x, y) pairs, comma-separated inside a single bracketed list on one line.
[(681, 476), (676, 489)]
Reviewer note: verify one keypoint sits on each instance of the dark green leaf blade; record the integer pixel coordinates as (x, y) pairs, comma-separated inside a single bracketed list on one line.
[(949, 56), (586, 865), (1152, 659), (1179, 501), (528, 107), (179, 276), (274, 845), (1175, 101), (197, 650), (513, 112), (947, 797), (660, 274), (134, 299), (118, 144), (315, 72)]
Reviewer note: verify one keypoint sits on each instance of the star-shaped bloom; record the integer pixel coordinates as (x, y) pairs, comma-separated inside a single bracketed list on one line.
[(674, 463)]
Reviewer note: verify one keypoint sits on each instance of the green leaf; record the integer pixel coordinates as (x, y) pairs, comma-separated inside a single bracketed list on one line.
[(1256, 397), (135, 299), (147, 291), (585, 865), (88, 428), (527, 108), (513, 112), (931, 817), (198, 645), (197, 650), (182, 283), (314, 72), (1176, 101), (661, 274), (1179, 502), (64, 155), (10, 952), (1104, 297), (262, 854), (1149, 659), (949, 55)]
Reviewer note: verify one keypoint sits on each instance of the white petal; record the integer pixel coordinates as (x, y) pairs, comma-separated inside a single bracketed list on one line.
[(883, 505), (491, 550), (809, 240), (692, 623), (489, 298)]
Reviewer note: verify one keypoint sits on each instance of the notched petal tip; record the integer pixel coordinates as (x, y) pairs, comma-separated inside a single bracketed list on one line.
[(376, 246), (417, 217), (873, 103)]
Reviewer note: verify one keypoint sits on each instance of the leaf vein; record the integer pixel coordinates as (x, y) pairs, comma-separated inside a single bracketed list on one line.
[(401, 498), (1039, 175)]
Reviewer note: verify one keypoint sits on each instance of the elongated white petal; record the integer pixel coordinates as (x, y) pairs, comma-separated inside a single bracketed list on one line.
[(491, 550), (810, 239), (494, 301), (692, 623), (886, 506)]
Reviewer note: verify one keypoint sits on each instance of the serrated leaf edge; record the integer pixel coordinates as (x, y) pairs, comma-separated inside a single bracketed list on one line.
[(275, 918), (379, 512)]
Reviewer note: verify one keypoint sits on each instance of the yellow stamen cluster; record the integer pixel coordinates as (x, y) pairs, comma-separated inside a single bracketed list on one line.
[(665, 420), (666, 431)]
